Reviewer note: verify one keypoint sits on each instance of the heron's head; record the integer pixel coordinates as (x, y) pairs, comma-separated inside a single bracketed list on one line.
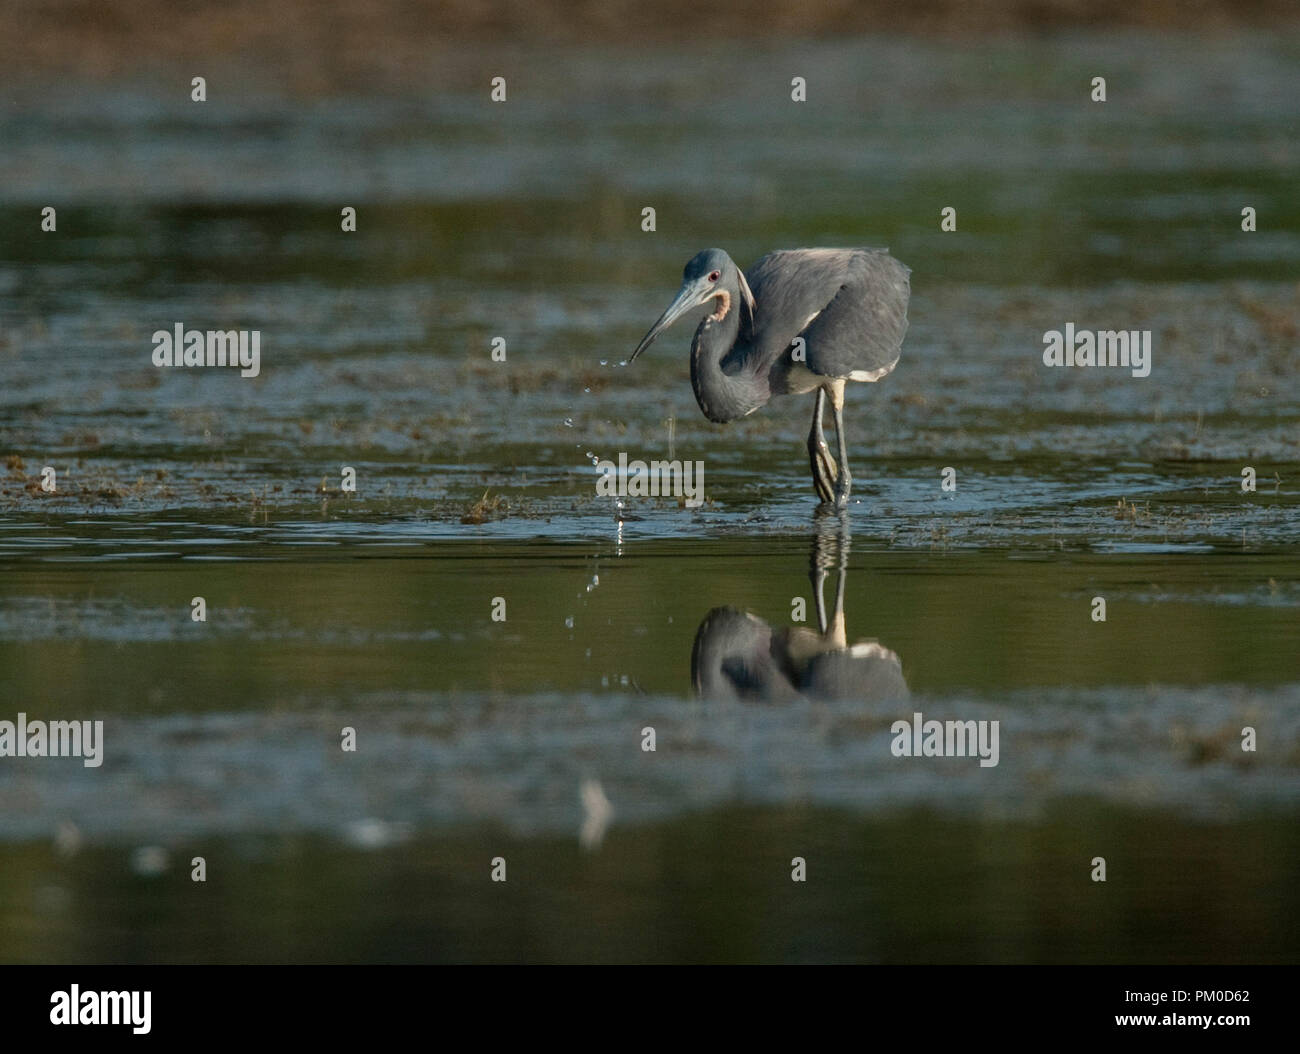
[(708, 277)]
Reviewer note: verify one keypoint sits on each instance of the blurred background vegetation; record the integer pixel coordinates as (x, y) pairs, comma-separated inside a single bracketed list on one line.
[(332, 45)]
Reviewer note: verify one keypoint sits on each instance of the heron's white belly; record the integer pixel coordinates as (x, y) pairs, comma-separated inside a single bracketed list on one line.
[(801, 379), (873, 375)]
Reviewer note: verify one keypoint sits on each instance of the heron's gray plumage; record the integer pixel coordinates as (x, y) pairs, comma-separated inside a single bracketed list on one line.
[(737, 656), (849, 306), (732, 659)]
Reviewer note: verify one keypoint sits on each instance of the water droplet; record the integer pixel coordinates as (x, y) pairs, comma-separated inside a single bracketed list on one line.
[(374, 834), (568, 422), (604, 362), (587, 391), (568, 622), (67, 838), (150, 861)]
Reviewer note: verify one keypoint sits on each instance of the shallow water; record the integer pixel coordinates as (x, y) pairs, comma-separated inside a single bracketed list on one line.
[(477, 738)]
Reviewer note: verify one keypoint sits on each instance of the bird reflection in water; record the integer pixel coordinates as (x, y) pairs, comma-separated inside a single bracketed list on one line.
[(738, 655)]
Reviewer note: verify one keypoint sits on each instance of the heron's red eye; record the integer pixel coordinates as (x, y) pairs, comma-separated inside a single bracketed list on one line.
[(715, 276)]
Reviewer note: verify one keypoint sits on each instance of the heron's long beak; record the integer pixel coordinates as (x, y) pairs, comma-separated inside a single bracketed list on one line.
[(691, 295)]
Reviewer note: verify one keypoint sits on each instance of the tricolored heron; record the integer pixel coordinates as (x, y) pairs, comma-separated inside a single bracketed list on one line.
[(739, 656), (849, 307)]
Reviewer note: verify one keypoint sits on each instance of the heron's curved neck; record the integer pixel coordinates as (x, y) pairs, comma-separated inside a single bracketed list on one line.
[(727, 385)]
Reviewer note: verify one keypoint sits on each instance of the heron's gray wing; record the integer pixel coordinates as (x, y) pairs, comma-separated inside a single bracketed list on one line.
[(791, 287), (872, 675), (859, 333), (849, 305)]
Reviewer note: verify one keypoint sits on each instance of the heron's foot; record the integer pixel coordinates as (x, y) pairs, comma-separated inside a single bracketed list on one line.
[(843, 485), (824, 470), (825, 489)]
